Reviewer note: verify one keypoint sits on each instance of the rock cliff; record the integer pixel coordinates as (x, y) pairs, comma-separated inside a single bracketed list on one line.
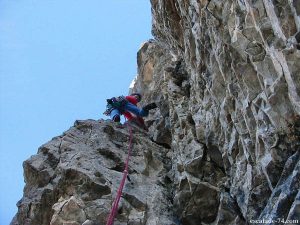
[(223, 145)]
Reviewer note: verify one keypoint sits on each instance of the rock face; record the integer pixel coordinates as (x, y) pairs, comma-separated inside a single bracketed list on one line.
[(74, 178), (223, 147)]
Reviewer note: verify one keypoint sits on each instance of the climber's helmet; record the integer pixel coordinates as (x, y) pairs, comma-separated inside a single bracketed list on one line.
[(138, 96)]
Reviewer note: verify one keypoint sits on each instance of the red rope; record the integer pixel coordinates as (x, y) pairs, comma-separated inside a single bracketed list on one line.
[(114, 209)]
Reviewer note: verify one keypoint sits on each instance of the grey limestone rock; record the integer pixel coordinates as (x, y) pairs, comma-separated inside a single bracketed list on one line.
[(223, 144), (74, 178)]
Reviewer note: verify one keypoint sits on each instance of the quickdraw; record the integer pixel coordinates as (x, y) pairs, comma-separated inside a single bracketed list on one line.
[(115, 103)]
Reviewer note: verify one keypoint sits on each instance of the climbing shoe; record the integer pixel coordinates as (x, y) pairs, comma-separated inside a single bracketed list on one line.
[(116, 118), (150, 106)]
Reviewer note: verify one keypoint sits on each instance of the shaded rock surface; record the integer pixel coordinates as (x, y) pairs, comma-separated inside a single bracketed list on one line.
[(223, 145), (74, 178)]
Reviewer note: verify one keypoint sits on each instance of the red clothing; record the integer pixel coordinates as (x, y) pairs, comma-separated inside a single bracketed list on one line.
[(132, 100), (131, 117)]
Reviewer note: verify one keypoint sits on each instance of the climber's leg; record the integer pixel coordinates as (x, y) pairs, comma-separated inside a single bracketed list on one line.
[(115, 115), (135, 110)]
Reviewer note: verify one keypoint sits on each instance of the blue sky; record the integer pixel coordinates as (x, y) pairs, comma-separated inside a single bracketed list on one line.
[(59, 61)]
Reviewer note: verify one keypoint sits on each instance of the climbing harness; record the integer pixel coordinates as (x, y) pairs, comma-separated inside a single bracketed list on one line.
[(114, 208)]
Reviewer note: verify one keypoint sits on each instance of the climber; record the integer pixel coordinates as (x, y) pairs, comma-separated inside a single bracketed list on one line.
[(127, 106)]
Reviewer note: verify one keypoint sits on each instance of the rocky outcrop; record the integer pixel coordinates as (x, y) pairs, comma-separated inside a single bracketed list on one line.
[(223, 146), (74, 178), (227, 76)]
